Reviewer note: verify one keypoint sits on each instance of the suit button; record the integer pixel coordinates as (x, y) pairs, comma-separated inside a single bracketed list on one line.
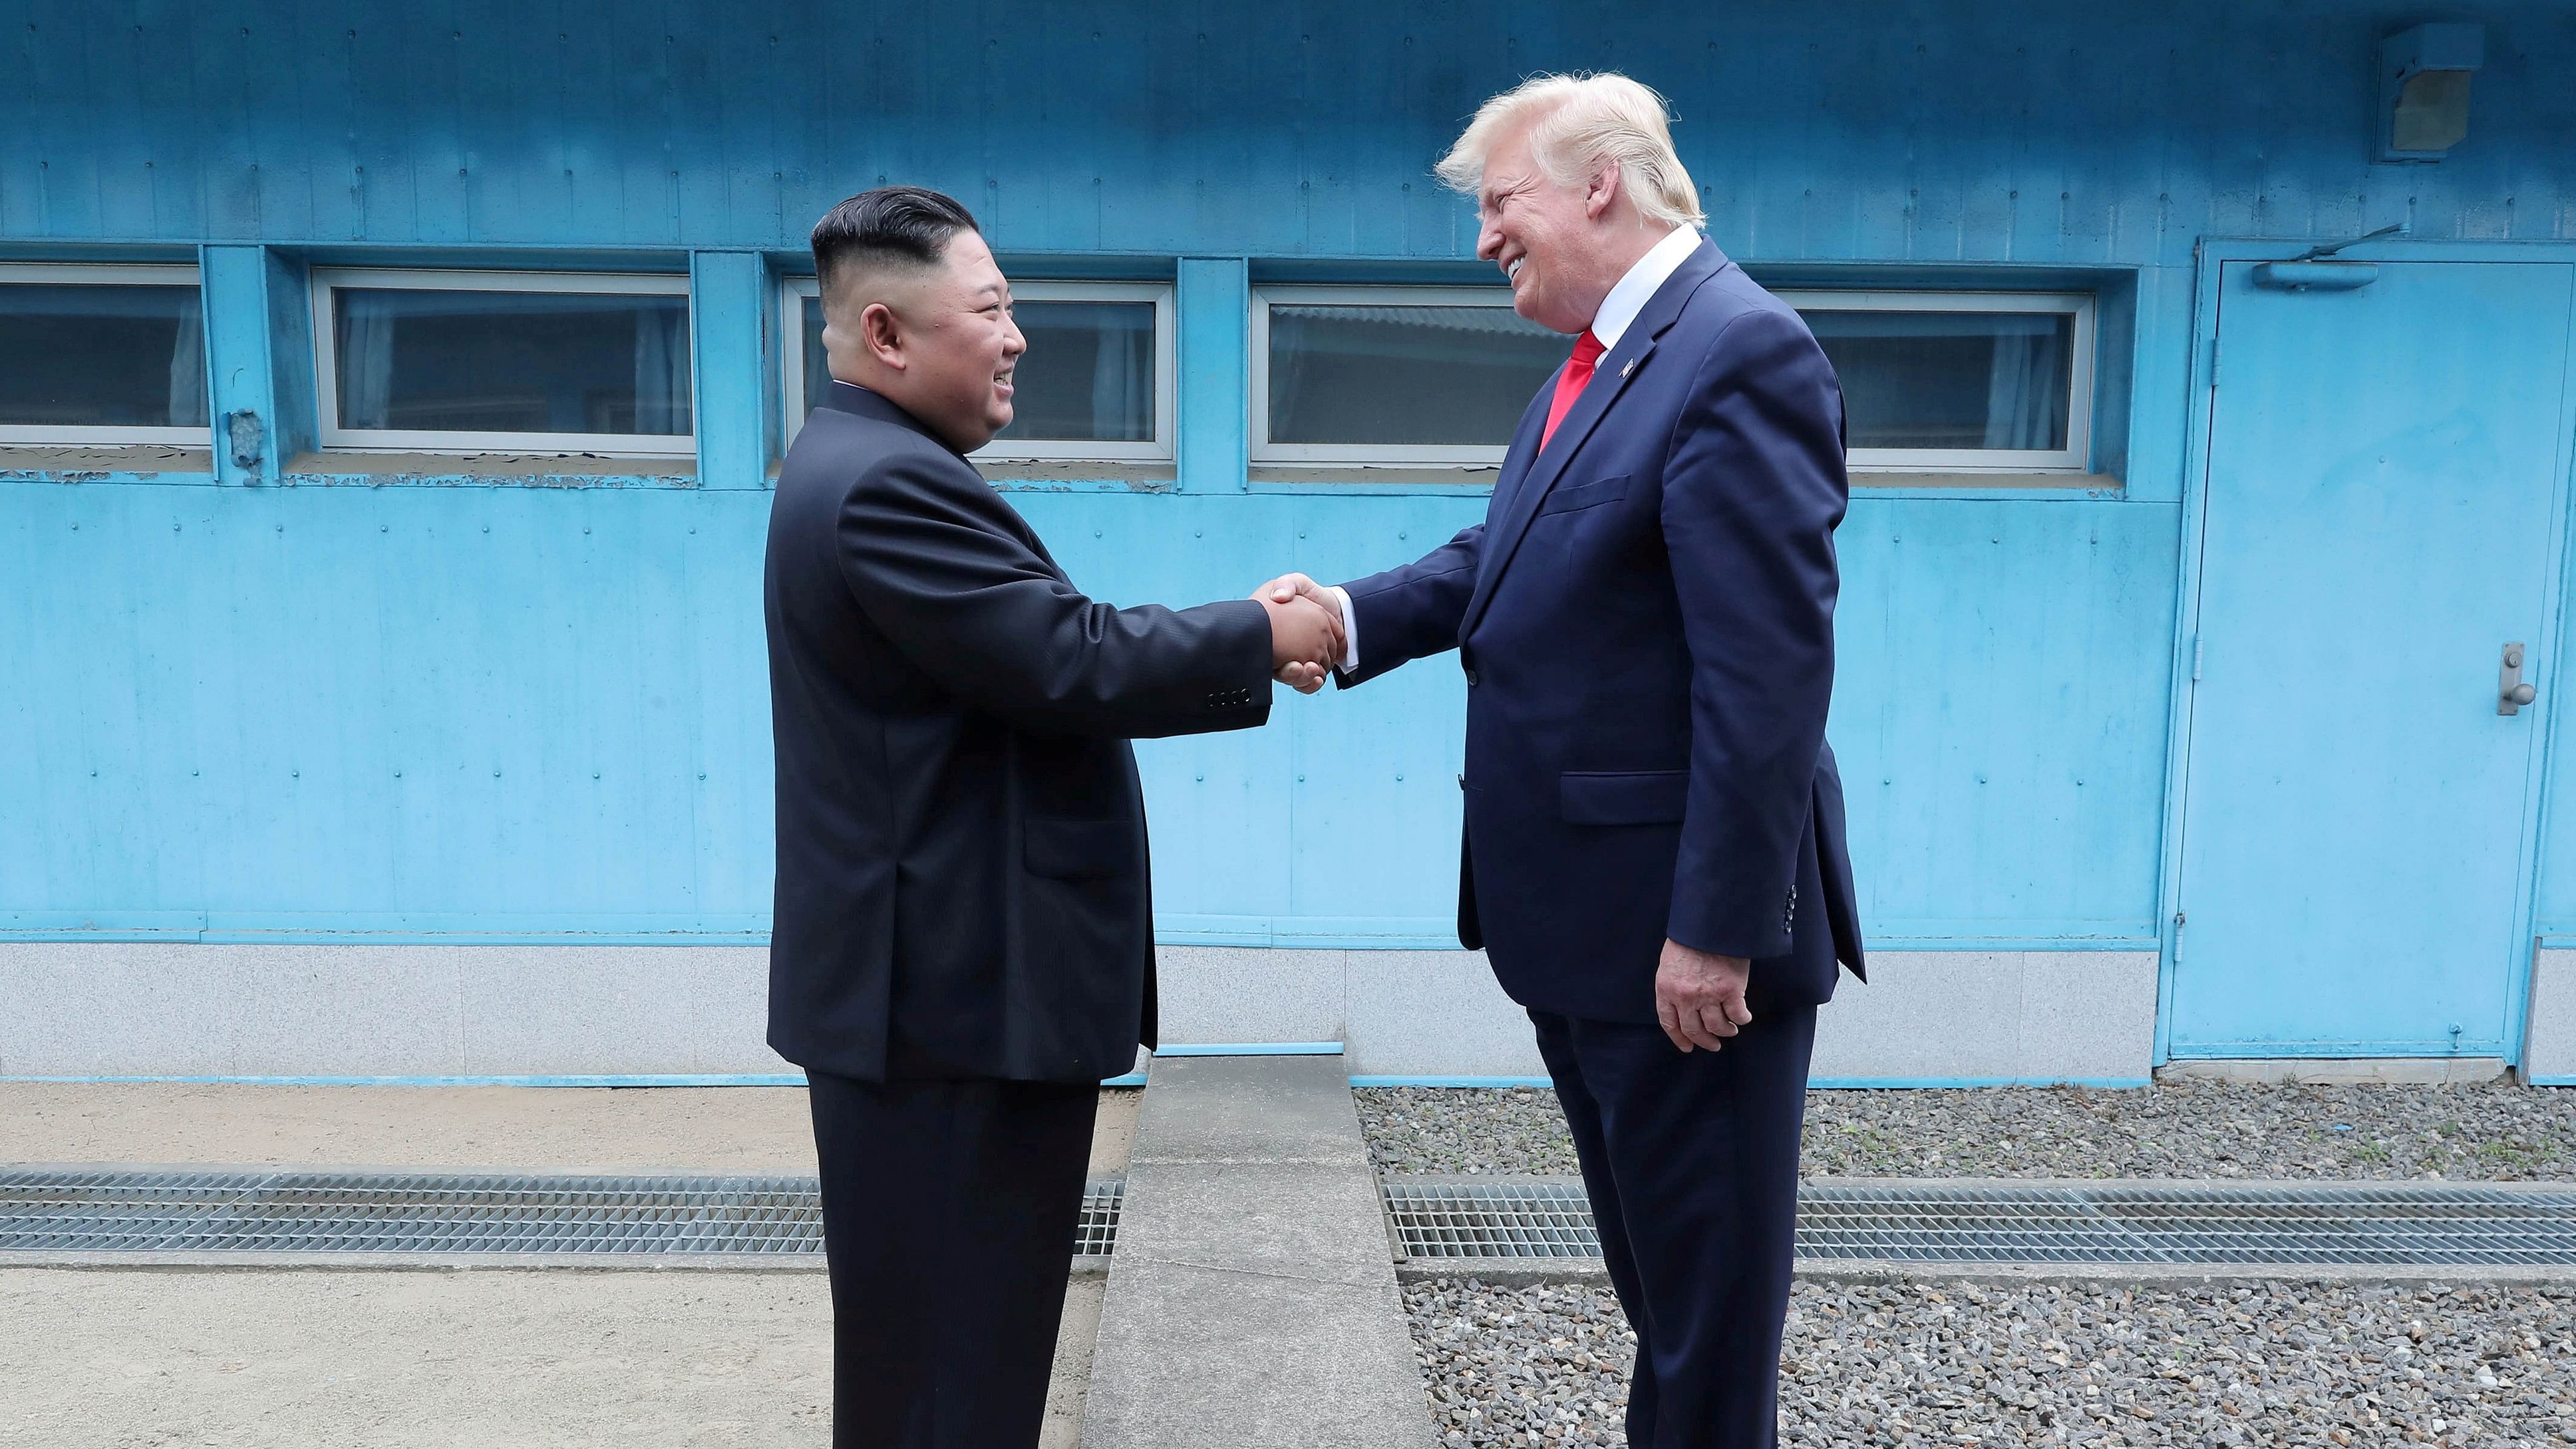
[(1471, 676)]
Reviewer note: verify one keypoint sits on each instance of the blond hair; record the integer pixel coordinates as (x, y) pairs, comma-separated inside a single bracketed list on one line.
[(1580, 124)]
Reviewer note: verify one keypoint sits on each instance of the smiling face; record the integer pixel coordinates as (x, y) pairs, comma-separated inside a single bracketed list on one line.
[(939, 342), (1547, 238)]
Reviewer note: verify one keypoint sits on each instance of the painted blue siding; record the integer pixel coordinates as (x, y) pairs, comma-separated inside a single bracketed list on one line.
[(539, 710), (457, 706)]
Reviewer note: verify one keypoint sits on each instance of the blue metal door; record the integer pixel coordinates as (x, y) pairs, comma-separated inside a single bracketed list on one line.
[(2384, 465)]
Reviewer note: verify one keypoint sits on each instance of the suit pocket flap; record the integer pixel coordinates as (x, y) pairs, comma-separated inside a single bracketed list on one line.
[(1622, 797), (1566, 499), (1076, 849)]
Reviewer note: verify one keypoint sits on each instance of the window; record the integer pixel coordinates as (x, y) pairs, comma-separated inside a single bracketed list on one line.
[(1393, 375), (101, 355), (1960, 381), (1095, 384), (503, 362)]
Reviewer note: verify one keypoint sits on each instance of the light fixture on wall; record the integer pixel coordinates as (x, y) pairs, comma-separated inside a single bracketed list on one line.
[(2424, 90)]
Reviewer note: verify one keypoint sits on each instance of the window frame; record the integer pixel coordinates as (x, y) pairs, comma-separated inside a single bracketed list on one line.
[(112, 274), (2075, 457), (1344, 455), (1161, 448), (334, 438)]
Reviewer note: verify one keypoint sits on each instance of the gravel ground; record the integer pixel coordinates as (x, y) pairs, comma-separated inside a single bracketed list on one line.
[(2289, 1364), (2180, 1129)]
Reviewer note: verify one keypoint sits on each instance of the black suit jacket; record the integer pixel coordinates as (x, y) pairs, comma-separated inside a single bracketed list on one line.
[(962, 882)]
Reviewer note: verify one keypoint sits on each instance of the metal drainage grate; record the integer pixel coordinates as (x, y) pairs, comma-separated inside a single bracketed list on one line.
[(1097, 1233), (2368, 1226), (320, 1212)]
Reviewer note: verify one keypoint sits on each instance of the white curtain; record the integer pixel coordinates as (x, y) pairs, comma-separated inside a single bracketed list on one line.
[(188, 381), (366, 357), (662, 369), (2023, 388), (1121, 380), (1289, 349)]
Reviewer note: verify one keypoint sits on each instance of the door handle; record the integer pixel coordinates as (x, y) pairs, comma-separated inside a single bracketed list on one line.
[(2511, 693)]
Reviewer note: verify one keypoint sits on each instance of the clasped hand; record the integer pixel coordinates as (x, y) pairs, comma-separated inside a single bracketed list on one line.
[(1306, 637)]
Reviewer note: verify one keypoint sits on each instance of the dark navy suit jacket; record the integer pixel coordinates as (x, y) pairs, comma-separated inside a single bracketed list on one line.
[(1646, 622)]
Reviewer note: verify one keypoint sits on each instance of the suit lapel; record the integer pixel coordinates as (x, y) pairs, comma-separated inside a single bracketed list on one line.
[(1524, 448), (1610, 378)]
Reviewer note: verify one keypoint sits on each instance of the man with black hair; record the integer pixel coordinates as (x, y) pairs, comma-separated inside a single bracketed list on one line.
[(963, 947)]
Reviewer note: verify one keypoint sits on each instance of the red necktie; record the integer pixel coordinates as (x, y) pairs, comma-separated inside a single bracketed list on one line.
[(1569, 383)]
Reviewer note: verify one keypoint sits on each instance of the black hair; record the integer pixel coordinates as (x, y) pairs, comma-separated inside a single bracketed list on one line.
[(906, 226)]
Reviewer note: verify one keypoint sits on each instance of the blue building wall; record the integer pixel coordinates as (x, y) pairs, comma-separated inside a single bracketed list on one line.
[(302, 701)]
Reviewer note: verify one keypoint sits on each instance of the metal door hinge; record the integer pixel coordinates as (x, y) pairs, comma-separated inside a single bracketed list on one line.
[(2213, 360), (2199, 655)]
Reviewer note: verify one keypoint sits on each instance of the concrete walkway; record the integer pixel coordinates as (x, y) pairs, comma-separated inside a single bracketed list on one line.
[(1252, 1301), (536, 1129)]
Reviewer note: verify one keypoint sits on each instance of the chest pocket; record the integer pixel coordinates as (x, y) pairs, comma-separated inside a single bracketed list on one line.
[(1584, 495)]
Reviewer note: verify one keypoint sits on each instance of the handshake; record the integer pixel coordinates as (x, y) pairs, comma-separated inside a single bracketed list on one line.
[(1307, 637)]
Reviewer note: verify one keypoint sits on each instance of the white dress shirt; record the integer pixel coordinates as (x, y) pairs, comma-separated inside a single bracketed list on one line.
[(1619, 308)]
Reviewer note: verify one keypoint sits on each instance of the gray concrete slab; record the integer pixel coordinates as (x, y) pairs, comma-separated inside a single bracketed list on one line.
[(1239, 1110), (1992, 1016), (511, 1360), (1252, 1302), (536, 1129), (2549, 1039)]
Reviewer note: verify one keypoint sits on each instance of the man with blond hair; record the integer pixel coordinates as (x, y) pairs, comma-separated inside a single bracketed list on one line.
[(1653, 857)]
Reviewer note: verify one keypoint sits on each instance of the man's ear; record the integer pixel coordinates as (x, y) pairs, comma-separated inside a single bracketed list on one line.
[(1601, 191), (882, 335)]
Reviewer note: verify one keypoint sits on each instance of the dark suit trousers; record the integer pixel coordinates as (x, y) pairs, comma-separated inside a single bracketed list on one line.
[(1691, 1162), (949, 1210)]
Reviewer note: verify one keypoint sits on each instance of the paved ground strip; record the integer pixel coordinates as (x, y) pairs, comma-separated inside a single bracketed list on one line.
[(1252, 1302), (755, 1131)]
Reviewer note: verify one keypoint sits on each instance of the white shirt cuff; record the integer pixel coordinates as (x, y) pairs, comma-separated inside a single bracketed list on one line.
[(1350, 629)]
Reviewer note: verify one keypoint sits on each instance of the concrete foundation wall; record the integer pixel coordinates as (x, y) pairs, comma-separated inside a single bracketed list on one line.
[(2549, 1042), (162, 1009)]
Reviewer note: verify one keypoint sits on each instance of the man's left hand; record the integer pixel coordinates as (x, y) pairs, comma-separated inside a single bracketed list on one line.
[(1699, 997)]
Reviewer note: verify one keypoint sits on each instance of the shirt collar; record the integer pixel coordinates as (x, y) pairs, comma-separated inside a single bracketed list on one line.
[(1634, 290)]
